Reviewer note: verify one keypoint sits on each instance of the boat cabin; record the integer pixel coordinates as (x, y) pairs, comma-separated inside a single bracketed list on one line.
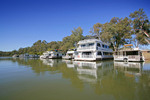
[(132, 54), (93, 49)]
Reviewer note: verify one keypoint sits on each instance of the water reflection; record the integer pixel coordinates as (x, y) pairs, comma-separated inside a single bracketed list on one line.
[(130, 69), (51, 62), (117, 80), (69, 63)]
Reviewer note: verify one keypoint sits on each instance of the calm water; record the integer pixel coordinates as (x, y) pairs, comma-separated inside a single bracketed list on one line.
[(35, 79)]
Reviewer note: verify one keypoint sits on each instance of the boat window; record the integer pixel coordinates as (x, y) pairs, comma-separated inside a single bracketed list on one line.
[(99, 53), (76, 53), (49, 54), (86, 53), (83, 45), (107, 53), (91, 44), (132, 53), (103, 45), (124, 53), (98, 45), (140, 53)]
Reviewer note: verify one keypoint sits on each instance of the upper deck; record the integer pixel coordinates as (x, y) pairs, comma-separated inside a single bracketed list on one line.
[(93, 45)]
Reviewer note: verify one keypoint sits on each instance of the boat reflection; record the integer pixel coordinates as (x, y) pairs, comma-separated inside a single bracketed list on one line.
[(69, 63), (130, 69), (51, 62), (89, 72)]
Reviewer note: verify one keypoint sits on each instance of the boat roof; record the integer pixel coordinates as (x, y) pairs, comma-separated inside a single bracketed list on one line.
[(70, 52), (90, 41), (129, 49)]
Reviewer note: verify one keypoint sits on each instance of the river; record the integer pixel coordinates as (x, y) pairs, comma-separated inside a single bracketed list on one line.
[(58, 79)]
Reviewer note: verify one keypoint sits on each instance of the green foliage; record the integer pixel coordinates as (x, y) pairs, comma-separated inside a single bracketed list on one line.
[(117, 32), (97, 30), (41, 46), (141, 25), (70, 42)]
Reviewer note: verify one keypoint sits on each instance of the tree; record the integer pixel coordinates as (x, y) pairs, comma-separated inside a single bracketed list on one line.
[(117, 32), (76, 35), (97, 30), (70, 41), (140, 27)]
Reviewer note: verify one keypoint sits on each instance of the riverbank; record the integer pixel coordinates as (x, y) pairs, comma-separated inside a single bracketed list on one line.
[(146, 55)]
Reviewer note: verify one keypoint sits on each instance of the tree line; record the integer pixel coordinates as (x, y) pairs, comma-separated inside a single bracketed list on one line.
[(134, 29)]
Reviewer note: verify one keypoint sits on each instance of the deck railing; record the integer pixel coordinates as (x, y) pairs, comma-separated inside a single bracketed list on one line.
[(87, 56), (89, 48), (129, 56)]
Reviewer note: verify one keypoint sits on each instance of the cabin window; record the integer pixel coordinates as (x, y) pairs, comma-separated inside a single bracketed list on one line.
[(76, 53), (49, 54), (98, 45), (83, 45), (140, 53), (124, 53), (132, 53), (107, 53), (99, 53), (91, 44), (103, 45), (86, 53)]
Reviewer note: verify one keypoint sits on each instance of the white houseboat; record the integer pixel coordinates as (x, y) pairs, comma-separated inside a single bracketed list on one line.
[(70, 54), (129, 54), (51, 55), (93, 49)]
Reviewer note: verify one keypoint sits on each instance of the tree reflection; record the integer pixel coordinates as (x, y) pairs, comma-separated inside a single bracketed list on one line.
[(119, 80)]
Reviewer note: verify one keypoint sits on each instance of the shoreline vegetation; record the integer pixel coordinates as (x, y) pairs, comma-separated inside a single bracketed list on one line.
[(134, 29)]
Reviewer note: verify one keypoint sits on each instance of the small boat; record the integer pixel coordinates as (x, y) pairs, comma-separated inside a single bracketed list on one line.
[(129, 54), (70, 54), (51, 55), (15, 55)]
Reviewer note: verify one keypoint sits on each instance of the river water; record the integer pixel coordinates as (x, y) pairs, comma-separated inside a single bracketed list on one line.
[(35, 79)]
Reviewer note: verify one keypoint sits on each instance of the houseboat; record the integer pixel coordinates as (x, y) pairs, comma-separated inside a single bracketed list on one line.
[(128, 54), (93, 49), (70, 54), (51, 55)]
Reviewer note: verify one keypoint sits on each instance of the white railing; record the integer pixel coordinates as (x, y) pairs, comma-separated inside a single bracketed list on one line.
[(134, 56), (87, 56), (89, 48), (129, 56)]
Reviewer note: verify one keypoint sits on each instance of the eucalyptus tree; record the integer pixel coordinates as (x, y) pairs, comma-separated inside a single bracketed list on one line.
[(140, 27), (76, 35), (117, 32), (97, 30), (70, 41)]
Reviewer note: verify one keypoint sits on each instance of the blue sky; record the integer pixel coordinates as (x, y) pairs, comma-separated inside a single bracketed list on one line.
[(23, 22)]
